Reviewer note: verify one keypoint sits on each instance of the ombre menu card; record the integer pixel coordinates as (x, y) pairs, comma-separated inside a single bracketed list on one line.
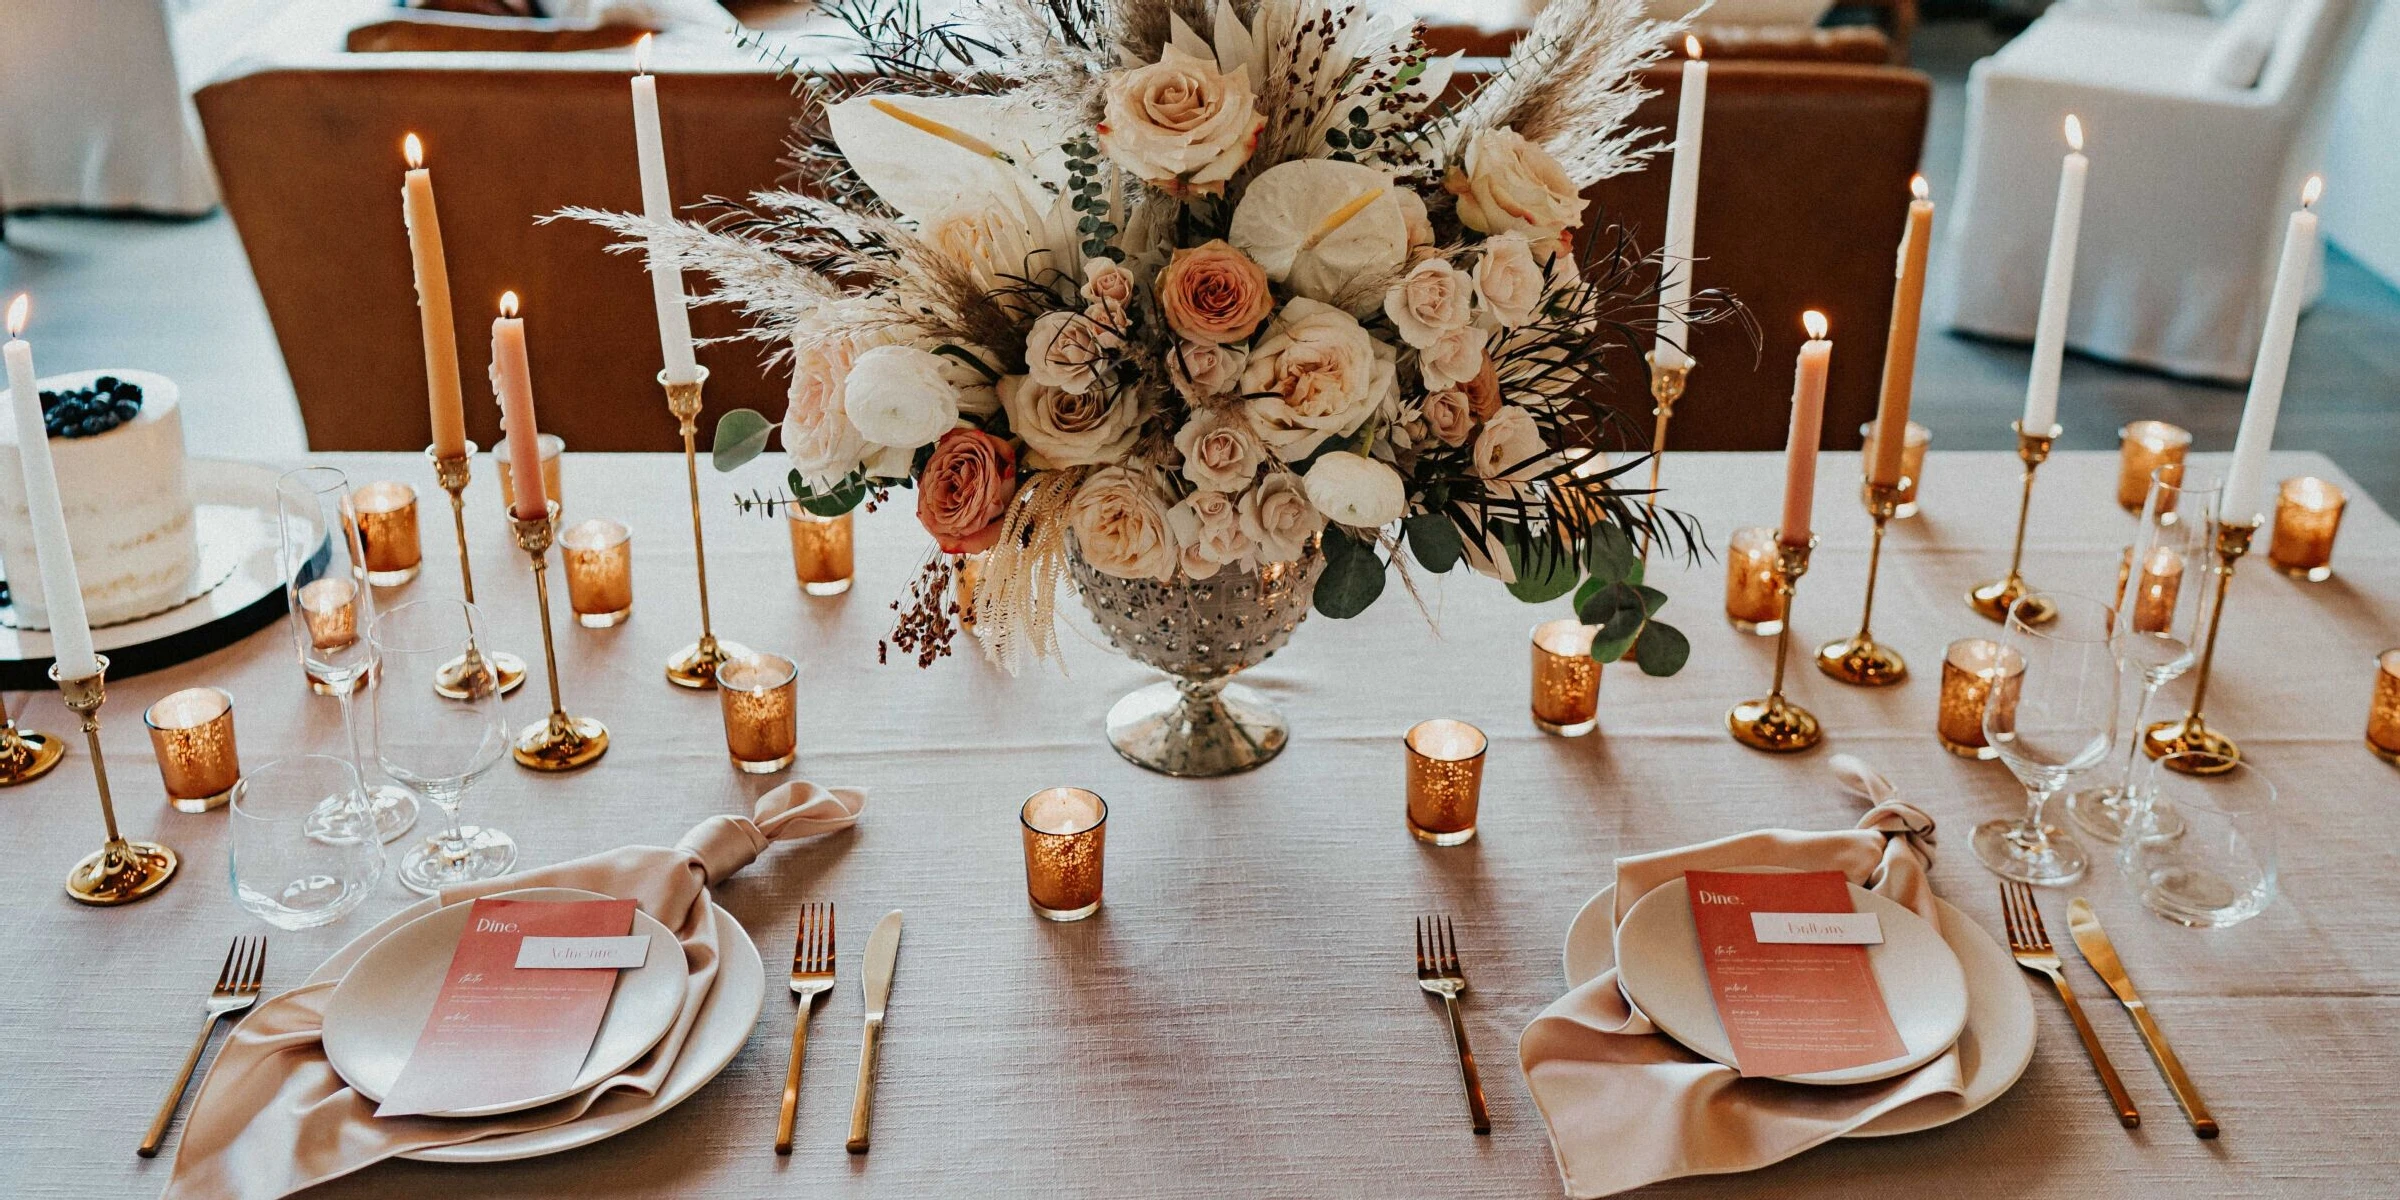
[(499, 1033), (1790, 1008)]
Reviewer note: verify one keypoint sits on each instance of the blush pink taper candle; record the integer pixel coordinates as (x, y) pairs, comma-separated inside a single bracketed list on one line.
[(1808, 424), (513, 379)]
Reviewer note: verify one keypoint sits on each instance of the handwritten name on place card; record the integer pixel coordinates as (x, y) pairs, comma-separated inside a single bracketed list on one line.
[(584, 953), (1810, 929)]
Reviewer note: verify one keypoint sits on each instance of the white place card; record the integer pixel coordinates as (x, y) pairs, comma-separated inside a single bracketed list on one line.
[(1813, 929), (585, 953)]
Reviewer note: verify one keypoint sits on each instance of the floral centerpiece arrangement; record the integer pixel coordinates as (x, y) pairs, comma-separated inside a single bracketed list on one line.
[(1174, 291)]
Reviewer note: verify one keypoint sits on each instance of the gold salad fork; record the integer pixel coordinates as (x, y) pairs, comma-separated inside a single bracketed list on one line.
[(1438, 972), (812, 976), (236, 990), (2030, 943)]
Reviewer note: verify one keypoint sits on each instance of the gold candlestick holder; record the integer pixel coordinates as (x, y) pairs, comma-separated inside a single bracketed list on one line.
[(25, 755), (1994, 599), (1666, 387), (122, 871), (2190, 732), (457, 677), (1774, 724), (695, 666), (557, 742), (1857, 659)]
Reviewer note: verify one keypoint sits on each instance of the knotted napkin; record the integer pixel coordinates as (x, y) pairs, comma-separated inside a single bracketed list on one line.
[(1626, 1105), (273, 1117)]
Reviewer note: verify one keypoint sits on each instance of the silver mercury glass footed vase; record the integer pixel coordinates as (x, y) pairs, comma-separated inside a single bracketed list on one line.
[(1200, 632)]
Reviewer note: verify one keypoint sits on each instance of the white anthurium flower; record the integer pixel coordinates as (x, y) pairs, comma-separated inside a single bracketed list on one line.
[(927, 155), (1324, 228)]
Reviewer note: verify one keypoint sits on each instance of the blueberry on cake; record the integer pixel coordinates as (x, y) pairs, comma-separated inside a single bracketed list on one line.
[(117, 440)]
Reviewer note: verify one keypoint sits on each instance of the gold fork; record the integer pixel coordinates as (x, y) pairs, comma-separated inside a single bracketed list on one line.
[(236, 990), (812, 976), (2030, 943), (1438, 972)]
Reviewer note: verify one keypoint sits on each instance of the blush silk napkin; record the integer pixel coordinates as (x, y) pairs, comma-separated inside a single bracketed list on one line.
[(273, 1117), (1626, 1105)]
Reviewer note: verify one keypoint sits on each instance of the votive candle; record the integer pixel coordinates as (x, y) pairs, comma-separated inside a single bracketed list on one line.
[(2383, 712), (598, 556), (1566, 679), (2308, 512), (1754, 597), (821, 552), (1066, 842), (191, 732), (386, 515), (1445, 780), (329, 606), (2145, 448), (760, 699), (2155, 594), (1976, 672)]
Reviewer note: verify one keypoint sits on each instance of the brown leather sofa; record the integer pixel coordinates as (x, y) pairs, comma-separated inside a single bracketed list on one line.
[(1803, 195)]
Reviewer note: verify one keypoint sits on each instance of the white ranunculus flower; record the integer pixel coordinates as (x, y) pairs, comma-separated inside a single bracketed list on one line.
[(1208, 528), (1510, 441), (900, 396), (1506, 184), (1431, 300), (1352, 489), (1324, 228), (1120, 525), (1061, 429), (1508, 279), (1316, 374), (1453, 359), (1220, 451), (1278, 516)]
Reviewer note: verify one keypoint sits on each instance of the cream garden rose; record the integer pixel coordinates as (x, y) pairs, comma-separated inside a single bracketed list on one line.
[(1068, 351), (1180, 124), (1509, 442), (1317, 374), (1352, 489), (1202, 371), (1452, 359), (1220, 452), (1508, 280), (1506, 184), (1279, 518), (1120, 525), (820, 439), (1209, 534), (900, 396), (1063, 429), (1431, 300)]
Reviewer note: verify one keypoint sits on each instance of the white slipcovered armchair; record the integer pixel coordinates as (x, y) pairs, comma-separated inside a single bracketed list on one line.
[(2192, 176)]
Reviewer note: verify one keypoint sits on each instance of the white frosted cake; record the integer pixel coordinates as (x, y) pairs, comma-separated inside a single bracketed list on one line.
[(127, 501)]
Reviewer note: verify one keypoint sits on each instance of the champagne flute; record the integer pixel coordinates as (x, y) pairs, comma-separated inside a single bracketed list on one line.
[(2059, 718), (331, 609), (436, 744), (2164, 606)]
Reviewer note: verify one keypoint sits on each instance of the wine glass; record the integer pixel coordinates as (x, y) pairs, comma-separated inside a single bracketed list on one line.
[(2162, 609), (437, 745), (2058, 718), (302, 852), (331, 608)]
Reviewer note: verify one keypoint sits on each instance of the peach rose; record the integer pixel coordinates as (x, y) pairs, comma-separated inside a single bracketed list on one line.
[(1120, 526), (1450, 415), (1180, 124), (1483, 391), (1508, 279), (1279, 518), (1214, 293), (1062, 429), (1506, 184), (1068, 351), (1108, 290), (1202, 370), (1208, 527), (1453, 358), (1316, 375), (1219, 450), (1431, 300), (965, 487)]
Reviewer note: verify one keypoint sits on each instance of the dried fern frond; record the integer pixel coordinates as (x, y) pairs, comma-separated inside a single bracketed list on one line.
[(1016, 594), (770, 290)]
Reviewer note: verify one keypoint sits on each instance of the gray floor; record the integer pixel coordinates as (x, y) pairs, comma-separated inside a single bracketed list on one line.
[(177, 297)]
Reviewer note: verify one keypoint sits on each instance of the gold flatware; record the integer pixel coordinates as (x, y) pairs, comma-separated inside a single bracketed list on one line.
[(2102, 955), (1438, 972), (812, 976), (236, 990), (883, 954), (2030, 943)]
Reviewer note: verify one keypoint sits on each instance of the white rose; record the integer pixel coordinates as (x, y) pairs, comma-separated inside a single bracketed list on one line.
[(1352, 489), (900, 396), (1431, 300), (1208, 527), (817, 433), (1220, 452), (1061, 429), (1279, 518), (1120, 526), (1179, 123), (1509, 280), (1506, 184), (1450, 415), (1510, 445), (1317, 374), (1067, 351), (1200, 370), (1454, 358)]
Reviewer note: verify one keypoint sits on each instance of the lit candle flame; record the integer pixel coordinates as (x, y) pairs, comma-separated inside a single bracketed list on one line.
[(641, 54), (1691, 46), (1815, 323), (2074, 133), (412, 150), (2310, 191), (1919, 188), (16, 313), (508, 304)]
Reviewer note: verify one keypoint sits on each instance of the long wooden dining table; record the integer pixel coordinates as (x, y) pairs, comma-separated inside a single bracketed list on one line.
[(1241, 1018)]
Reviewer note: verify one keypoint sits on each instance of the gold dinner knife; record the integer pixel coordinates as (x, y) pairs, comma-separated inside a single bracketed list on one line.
[(2102, 955), (883, 954)]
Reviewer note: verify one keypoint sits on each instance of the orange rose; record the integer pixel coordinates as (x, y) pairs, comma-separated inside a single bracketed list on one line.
[(1214, 293), (964, 489), (1483, 391)]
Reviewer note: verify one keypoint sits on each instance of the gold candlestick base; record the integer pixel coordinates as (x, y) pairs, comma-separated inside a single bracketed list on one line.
[(695, 666), (25, 755), (1994, 600), (558, 742), (121, 871), (1857, 659), (2191, 731), (1772, 723), (456, 679)]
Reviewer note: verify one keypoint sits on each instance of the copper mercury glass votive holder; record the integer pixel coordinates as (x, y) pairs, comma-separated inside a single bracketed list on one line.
[(1066, 835), (1754, 597), (760, 695), (821, 552), (1445, 780), (598, 554), (191, 732), (386, 516), (2383, 712), (554, 449), (2308, 512), (1566, 679), (2143, 448), (1976, 672), (1912, 463)]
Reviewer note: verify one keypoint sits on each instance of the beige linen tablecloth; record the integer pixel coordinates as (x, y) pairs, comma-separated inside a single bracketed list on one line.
[(1240, 1019)]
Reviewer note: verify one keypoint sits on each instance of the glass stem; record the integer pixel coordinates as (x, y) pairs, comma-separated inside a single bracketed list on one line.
[(454, 837), (2133, 752), (2037, 800), (358, 753)]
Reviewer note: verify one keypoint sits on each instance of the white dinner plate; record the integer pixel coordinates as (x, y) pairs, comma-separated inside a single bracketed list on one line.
[(1664, 975), (378, 1011), (1993, 1050)]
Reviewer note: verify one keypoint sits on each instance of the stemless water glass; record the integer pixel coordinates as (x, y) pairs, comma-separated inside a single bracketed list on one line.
[(2062, 720), (331, 608), (2201, 849), (302, 852), (437, 745), (2161, 610)]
